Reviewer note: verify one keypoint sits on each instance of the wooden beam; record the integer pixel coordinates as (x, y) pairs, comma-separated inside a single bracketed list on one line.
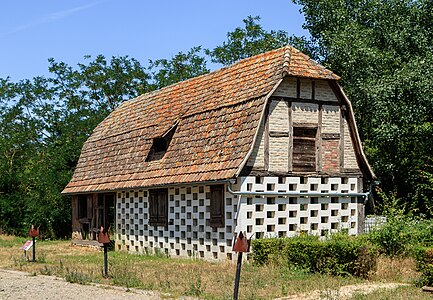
[(319, 139), (266, 137), (313, 90), (290, 150), (331, 136), (304, 100), (298, 88), (304, 125), (342, 139), (279, 133)]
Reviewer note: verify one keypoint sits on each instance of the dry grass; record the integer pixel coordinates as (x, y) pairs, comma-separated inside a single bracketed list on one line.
[(397, 269), (183, 277)]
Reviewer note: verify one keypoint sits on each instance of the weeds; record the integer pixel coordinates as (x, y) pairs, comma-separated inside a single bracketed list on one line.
[(74, 276), (197, 288)]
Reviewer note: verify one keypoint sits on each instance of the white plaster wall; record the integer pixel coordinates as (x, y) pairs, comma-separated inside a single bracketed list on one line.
[(324, 92), (306, 91), (287, 88), (188, 234), (278, 116), (349, 154), (256, 158), (289, 216), (330, 119), (305, 112)]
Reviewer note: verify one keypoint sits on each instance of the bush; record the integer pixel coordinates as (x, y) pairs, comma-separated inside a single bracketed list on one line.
[(338, 255), (402, 235), (424, 264)]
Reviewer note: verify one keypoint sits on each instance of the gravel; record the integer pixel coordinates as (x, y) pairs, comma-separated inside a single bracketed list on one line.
[(21, 285)]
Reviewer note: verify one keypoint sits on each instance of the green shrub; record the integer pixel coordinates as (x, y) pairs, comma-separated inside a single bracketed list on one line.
[(424, 264), (337, 255), (402, 235)]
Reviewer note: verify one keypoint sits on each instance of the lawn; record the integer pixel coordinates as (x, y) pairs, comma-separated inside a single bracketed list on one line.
[(177, 277)]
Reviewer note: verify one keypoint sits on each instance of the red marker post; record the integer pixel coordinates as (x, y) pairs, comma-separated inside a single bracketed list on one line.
[(241, 245), (104, 238), (33, 233)]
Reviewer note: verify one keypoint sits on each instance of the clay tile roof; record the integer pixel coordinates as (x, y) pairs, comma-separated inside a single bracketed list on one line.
[(217, 116)]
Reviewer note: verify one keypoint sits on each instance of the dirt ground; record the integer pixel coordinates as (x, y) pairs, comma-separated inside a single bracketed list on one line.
[(21, 285)]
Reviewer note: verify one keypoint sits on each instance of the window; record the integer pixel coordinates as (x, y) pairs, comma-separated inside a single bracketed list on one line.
[(304, 149), (158, 207), (82, 206), (217, 206), (160, 145)]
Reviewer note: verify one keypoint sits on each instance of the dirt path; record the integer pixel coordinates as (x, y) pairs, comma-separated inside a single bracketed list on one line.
[(345, 292), (21, 285)]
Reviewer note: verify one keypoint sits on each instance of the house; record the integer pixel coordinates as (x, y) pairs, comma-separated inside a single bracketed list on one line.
[(268, 145)]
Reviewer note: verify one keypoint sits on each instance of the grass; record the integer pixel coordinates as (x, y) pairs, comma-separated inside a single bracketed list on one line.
[(191, 277)]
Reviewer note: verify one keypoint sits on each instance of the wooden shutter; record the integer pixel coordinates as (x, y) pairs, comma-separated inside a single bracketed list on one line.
[(304, 149), (153, 207), (158, 207), (162, 207), (217, 206)]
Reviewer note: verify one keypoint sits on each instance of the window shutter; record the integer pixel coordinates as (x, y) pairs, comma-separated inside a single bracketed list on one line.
[(162, 207), (158, 207), (217, 206), (153, 207)]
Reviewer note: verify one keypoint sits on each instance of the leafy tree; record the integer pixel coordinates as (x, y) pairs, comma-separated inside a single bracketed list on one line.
[(383, 50), (245, 42), (180, 67)]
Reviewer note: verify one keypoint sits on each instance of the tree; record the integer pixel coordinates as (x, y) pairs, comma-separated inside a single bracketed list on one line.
[(383, 50), (180, 67), (245, 42)]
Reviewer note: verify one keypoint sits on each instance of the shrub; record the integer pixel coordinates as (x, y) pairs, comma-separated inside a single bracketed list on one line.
[(402, 235), (338, 255), (424, 264)]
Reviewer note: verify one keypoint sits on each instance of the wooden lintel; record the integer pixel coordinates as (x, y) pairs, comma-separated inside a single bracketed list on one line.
[(330, 136), (304, 125), (279, 134), (304, 100)]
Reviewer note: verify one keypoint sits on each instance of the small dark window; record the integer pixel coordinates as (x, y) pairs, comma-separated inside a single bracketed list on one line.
[(82, 206), (158, 207), (304, 149), (217, 206), (160, 145)]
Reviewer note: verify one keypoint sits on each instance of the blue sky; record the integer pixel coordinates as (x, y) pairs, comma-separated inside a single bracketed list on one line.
[(33, 31)]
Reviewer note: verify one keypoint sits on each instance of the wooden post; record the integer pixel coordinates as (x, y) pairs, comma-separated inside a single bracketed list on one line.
[(105, 260), (34, 249), (238, 276)]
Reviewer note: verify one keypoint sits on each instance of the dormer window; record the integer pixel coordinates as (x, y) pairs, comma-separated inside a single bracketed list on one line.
[(160, 145)]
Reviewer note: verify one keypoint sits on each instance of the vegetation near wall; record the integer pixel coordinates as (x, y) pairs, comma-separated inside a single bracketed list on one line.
[(338, 254)]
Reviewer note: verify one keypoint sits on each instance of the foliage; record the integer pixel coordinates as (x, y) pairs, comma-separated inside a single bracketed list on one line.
[(339, 254), (402, 235), (245, 42), (424, 264), (383, 51), (180, 67)]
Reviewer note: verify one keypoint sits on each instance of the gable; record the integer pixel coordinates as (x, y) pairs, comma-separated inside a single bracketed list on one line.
[(308, 129)]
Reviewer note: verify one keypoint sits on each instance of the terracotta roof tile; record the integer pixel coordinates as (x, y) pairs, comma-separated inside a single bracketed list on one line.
[(217, 114)]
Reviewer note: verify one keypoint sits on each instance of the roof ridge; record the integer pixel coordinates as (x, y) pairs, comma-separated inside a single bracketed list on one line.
[(286, 60)]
